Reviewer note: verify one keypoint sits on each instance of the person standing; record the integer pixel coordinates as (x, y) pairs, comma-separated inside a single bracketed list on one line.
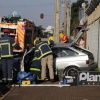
[(82, 43), (7, 59), (46, 59)]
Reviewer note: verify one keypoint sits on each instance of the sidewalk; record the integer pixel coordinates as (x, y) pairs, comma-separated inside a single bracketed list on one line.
[(3, 90), (54, 93)]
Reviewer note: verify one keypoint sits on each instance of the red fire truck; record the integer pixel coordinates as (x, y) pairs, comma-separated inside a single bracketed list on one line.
[(22, 30)]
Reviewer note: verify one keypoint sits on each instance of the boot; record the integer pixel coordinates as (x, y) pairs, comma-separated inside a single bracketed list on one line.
[(4, 82), (9, 85)]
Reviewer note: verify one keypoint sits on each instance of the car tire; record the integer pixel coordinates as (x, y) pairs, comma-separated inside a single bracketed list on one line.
[(71, 71)]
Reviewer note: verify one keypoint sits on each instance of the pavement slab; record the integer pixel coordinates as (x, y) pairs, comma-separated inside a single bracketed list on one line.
[(54, 93)]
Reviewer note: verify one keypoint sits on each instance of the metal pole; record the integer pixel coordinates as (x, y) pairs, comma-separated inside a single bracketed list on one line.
[(68, 17), (57, 21), (65, 17), (54, 19)]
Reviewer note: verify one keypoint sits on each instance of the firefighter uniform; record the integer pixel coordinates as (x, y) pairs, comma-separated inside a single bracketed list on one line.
[(51, 41), (46, 58), (7, 60), (36, 66)]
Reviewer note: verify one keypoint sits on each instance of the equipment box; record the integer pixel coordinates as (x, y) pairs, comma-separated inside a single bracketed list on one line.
[(68, 80), (26, 82)]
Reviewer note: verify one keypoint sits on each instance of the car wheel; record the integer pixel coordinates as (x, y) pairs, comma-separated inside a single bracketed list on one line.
[(71, 71)]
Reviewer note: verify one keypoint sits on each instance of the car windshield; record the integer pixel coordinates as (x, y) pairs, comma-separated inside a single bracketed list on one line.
[(63, 52)]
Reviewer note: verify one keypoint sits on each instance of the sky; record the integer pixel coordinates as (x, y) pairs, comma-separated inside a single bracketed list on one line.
[(31, 10)]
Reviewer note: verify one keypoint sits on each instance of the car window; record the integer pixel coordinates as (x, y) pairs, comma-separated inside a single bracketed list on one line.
[(55, 52), (63, 52), (67, 52)]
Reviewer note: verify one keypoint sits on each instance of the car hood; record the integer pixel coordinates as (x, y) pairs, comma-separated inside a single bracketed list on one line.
[(77, 37)]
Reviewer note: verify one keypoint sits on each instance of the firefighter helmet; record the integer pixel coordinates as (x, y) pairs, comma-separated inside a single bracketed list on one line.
[(64, 38), (6, 31), (51, 38), (61, 35), (35, 41)]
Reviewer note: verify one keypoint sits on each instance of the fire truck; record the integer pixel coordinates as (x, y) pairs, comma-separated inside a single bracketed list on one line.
[(22, 30)]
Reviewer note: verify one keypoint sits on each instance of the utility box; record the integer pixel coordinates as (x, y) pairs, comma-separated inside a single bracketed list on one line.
[(26, 82)]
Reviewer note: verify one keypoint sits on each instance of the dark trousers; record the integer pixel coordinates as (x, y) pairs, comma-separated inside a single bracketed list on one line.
[(7, 67), (37, 74)]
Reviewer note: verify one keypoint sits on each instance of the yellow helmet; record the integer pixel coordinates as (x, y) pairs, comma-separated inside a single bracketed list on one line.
[(51, 38), (61, 35), (35, 41)]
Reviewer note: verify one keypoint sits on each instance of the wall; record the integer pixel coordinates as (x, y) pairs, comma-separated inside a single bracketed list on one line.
[(93, 39), (93, 35), (99, 44), (95, 15)]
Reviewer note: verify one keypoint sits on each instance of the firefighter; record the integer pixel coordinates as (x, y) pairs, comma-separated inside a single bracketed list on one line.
[(46, 58), (60, 36), (7, 59), (16, 46), (6, 56), (65, 39), (51, 41), (35, 41), (0, 61), (36, 67)]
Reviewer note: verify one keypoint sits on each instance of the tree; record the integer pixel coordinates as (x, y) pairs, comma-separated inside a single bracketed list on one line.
[(74, 14)]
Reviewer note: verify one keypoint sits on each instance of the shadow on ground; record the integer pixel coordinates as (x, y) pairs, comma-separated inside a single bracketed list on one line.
[(3, 90)]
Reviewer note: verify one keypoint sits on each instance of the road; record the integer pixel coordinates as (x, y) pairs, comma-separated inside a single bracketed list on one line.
[(54, 93)]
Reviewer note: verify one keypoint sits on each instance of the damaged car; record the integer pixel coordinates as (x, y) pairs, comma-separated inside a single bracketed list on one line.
[(69, 58)]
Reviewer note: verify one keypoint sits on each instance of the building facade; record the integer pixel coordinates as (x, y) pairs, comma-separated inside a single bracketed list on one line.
[(93, 34)]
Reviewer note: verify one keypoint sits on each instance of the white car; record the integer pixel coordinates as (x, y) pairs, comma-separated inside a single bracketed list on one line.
[(69, 58)]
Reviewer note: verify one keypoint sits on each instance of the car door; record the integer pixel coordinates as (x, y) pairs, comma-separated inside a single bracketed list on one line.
[(55, 55), (62, 57)]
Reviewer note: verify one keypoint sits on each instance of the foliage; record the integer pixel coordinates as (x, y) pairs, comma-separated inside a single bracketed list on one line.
[(47, 34), (74, 14)]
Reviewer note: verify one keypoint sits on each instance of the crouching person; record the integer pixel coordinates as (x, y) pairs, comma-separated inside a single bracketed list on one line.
[(35, 68)]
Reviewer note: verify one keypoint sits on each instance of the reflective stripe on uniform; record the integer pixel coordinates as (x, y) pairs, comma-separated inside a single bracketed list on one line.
[(46, 53), (42, 45), (9, 53), (39, 78), (9, 79), (8, 46), (35, 58), (13, 44), (36, 50), (43, 54), (4, 79), (6, 56), (36, 69), (48, 42)]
